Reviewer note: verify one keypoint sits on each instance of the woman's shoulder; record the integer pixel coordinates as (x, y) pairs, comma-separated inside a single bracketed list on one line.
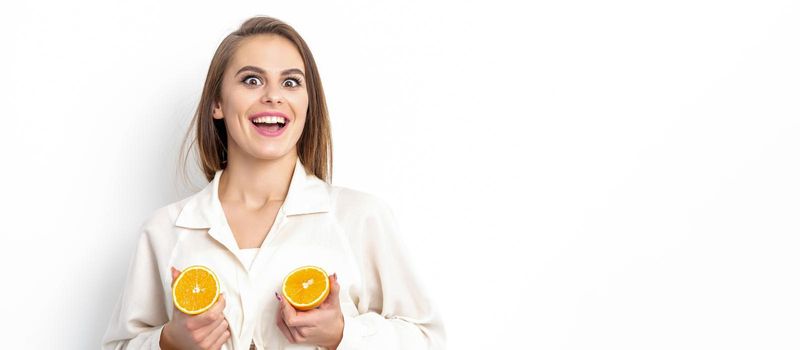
[(166, 215), (365, 216), (357, 202)]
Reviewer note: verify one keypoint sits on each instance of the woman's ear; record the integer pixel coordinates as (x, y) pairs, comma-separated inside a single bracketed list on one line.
[(216, 111)]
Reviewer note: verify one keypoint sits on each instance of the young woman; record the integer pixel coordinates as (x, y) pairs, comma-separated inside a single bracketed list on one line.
[(264, 143)]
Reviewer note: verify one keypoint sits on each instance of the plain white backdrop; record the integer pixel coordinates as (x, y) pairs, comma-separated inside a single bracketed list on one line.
[(568, 174)]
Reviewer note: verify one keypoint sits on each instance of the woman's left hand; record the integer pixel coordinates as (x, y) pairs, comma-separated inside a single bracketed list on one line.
[(322, 326)]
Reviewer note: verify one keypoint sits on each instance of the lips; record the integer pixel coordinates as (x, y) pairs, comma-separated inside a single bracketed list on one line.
[(269, 114), (269, 123)]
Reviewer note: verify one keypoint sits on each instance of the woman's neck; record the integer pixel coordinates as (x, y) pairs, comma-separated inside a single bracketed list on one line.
[(254, 184)]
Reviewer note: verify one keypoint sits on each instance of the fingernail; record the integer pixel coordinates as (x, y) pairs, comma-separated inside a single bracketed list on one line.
[(334, 277), (277, 296)]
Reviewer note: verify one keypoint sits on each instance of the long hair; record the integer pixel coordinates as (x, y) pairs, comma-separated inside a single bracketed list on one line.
[(314, 148)]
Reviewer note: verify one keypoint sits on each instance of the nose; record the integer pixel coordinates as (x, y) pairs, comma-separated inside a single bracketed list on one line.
[(272, 96)]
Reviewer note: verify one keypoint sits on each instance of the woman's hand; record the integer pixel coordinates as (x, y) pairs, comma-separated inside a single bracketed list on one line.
[(322, 326), (208, 330)]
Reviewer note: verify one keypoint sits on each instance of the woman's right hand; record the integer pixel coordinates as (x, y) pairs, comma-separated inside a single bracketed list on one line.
[(206, 331)]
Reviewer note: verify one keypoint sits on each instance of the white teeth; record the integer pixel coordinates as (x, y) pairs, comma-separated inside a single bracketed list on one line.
[(270, 120)]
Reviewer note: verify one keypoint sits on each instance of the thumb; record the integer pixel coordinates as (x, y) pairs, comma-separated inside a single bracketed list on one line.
[(333, 296), (175, 274), (287, 310)]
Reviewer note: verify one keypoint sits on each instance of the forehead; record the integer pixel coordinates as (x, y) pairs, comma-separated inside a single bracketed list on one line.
[(270, 52)]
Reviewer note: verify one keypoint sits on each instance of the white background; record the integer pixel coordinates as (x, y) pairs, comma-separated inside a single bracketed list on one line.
[(568, 174)]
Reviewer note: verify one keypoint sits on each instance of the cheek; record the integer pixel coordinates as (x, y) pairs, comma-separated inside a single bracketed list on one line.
[(238, 102), (300, 106)]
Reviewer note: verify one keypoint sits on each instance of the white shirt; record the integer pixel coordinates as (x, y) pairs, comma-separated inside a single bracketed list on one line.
[(248, 255), (345, 231)]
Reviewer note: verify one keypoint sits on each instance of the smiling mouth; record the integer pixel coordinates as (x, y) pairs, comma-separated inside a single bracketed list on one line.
[(270, 123)]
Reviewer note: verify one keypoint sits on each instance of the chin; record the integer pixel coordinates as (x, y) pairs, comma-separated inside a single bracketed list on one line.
[(271, 154)]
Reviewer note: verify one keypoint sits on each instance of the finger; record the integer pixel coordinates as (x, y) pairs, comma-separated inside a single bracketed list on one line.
[(219, 305), (175, 274), (218, 308), (213, 315), (304, 331), (283, 327), (290, 315), (215, 334), (222, 339), (297, 337), (210, 327), (204, 324), (333, 297)]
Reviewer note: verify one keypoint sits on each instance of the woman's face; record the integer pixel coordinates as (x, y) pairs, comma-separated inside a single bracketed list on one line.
[(263, 86)]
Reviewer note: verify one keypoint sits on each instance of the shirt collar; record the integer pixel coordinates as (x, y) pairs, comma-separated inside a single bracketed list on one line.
[(307, 194)]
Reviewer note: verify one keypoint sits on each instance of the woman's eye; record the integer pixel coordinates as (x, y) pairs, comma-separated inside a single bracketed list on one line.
[(291, 82), (251, 80)]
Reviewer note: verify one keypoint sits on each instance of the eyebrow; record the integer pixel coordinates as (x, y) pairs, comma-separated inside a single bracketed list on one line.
[(262, 72)]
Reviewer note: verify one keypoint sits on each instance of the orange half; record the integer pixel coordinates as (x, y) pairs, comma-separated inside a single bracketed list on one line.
[(195, 290), (306, 287)]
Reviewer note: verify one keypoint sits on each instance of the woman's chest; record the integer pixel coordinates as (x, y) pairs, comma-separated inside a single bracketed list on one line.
[(250, 227), (312, 239), (294, 241)]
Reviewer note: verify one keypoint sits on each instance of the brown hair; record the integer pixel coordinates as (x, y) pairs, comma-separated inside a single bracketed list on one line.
[(314, 147)]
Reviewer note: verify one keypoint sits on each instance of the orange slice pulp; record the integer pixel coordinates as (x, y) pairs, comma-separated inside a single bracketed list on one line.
[(306, 287), (195, 290)]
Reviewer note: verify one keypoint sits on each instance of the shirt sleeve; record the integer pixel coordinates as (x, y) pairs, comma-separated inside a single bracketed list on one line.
[(394, 310), (139, 315)]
